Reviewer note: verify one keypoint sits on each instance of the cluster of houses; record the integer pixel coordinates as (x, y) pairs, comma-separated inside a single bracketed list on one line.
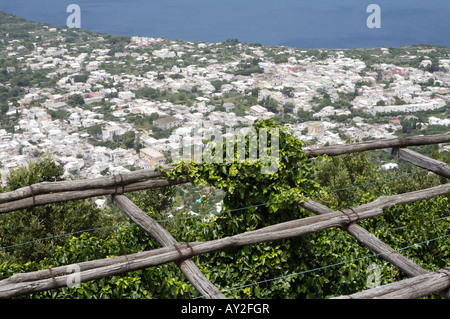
[(68, 139)]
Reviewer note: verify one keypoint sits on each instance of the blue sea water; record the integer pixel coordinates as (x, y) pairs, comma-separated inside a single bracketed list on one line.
[(295, 23)]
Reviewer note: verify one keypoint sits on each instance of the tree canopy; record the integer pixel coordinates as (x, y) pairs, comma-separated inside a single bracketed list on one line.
[(25, 226)]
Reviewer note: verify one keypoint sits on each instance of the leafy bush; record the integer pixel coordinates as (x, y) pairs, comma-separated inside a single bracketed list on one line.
[(28, 225)]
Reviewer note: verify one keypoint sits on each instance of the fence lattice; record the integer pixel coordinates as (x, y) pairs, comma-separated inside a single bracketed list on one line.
[(422, 282)]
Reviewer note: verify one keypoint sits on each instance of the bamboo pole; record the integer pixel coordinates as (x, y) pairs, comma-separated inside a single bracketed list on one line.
[(335, 150), (372, 242), (53, 198), (412, 288), (79, 185), (154, 229), (422, 161)]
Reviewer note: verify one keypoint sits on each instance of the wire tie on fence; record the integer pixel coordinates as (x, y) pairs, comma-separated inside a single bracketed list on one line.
[(348, 216), (123, 184), (179, 252), (127, 264), (190, 247), (354, 212), (395, 150), (32, 194), (53, 277), (116, 185), (445, 271)]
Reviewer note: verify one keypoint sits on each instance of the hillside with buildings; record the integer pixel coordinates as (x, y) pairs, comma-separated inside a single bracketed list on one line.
[(102, 104)]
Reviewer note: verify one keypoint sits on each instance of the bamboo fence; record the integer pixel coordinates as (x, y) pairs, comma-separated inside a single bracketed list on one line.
[(421, 283)]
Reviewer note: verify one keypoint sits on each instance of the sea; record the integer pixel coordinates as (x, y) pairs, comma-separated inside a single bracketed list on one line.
[(332, 24)]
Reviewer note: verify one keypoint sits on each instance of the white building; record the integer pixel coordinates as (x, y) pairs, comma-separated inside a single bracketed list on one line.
[(258, 110), (151, 154), (167, 122), (389, 166), (126, 95), (432, 105), (437, 121), (109, 131)]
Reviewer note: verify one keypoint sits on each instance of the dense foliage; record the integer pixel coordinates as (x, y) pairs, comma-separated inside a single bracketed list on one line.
[(29, 225)]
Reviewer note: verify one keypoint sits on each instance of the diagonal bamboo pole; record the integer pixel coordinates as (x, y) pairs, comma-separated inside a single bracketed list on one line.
[(154, 229), (411, 288), (422, 161), (370, 241)]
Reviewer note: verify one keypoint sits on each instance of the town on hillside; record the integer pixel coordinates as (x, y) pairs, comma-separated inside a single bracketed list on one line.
[(103, 105)]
